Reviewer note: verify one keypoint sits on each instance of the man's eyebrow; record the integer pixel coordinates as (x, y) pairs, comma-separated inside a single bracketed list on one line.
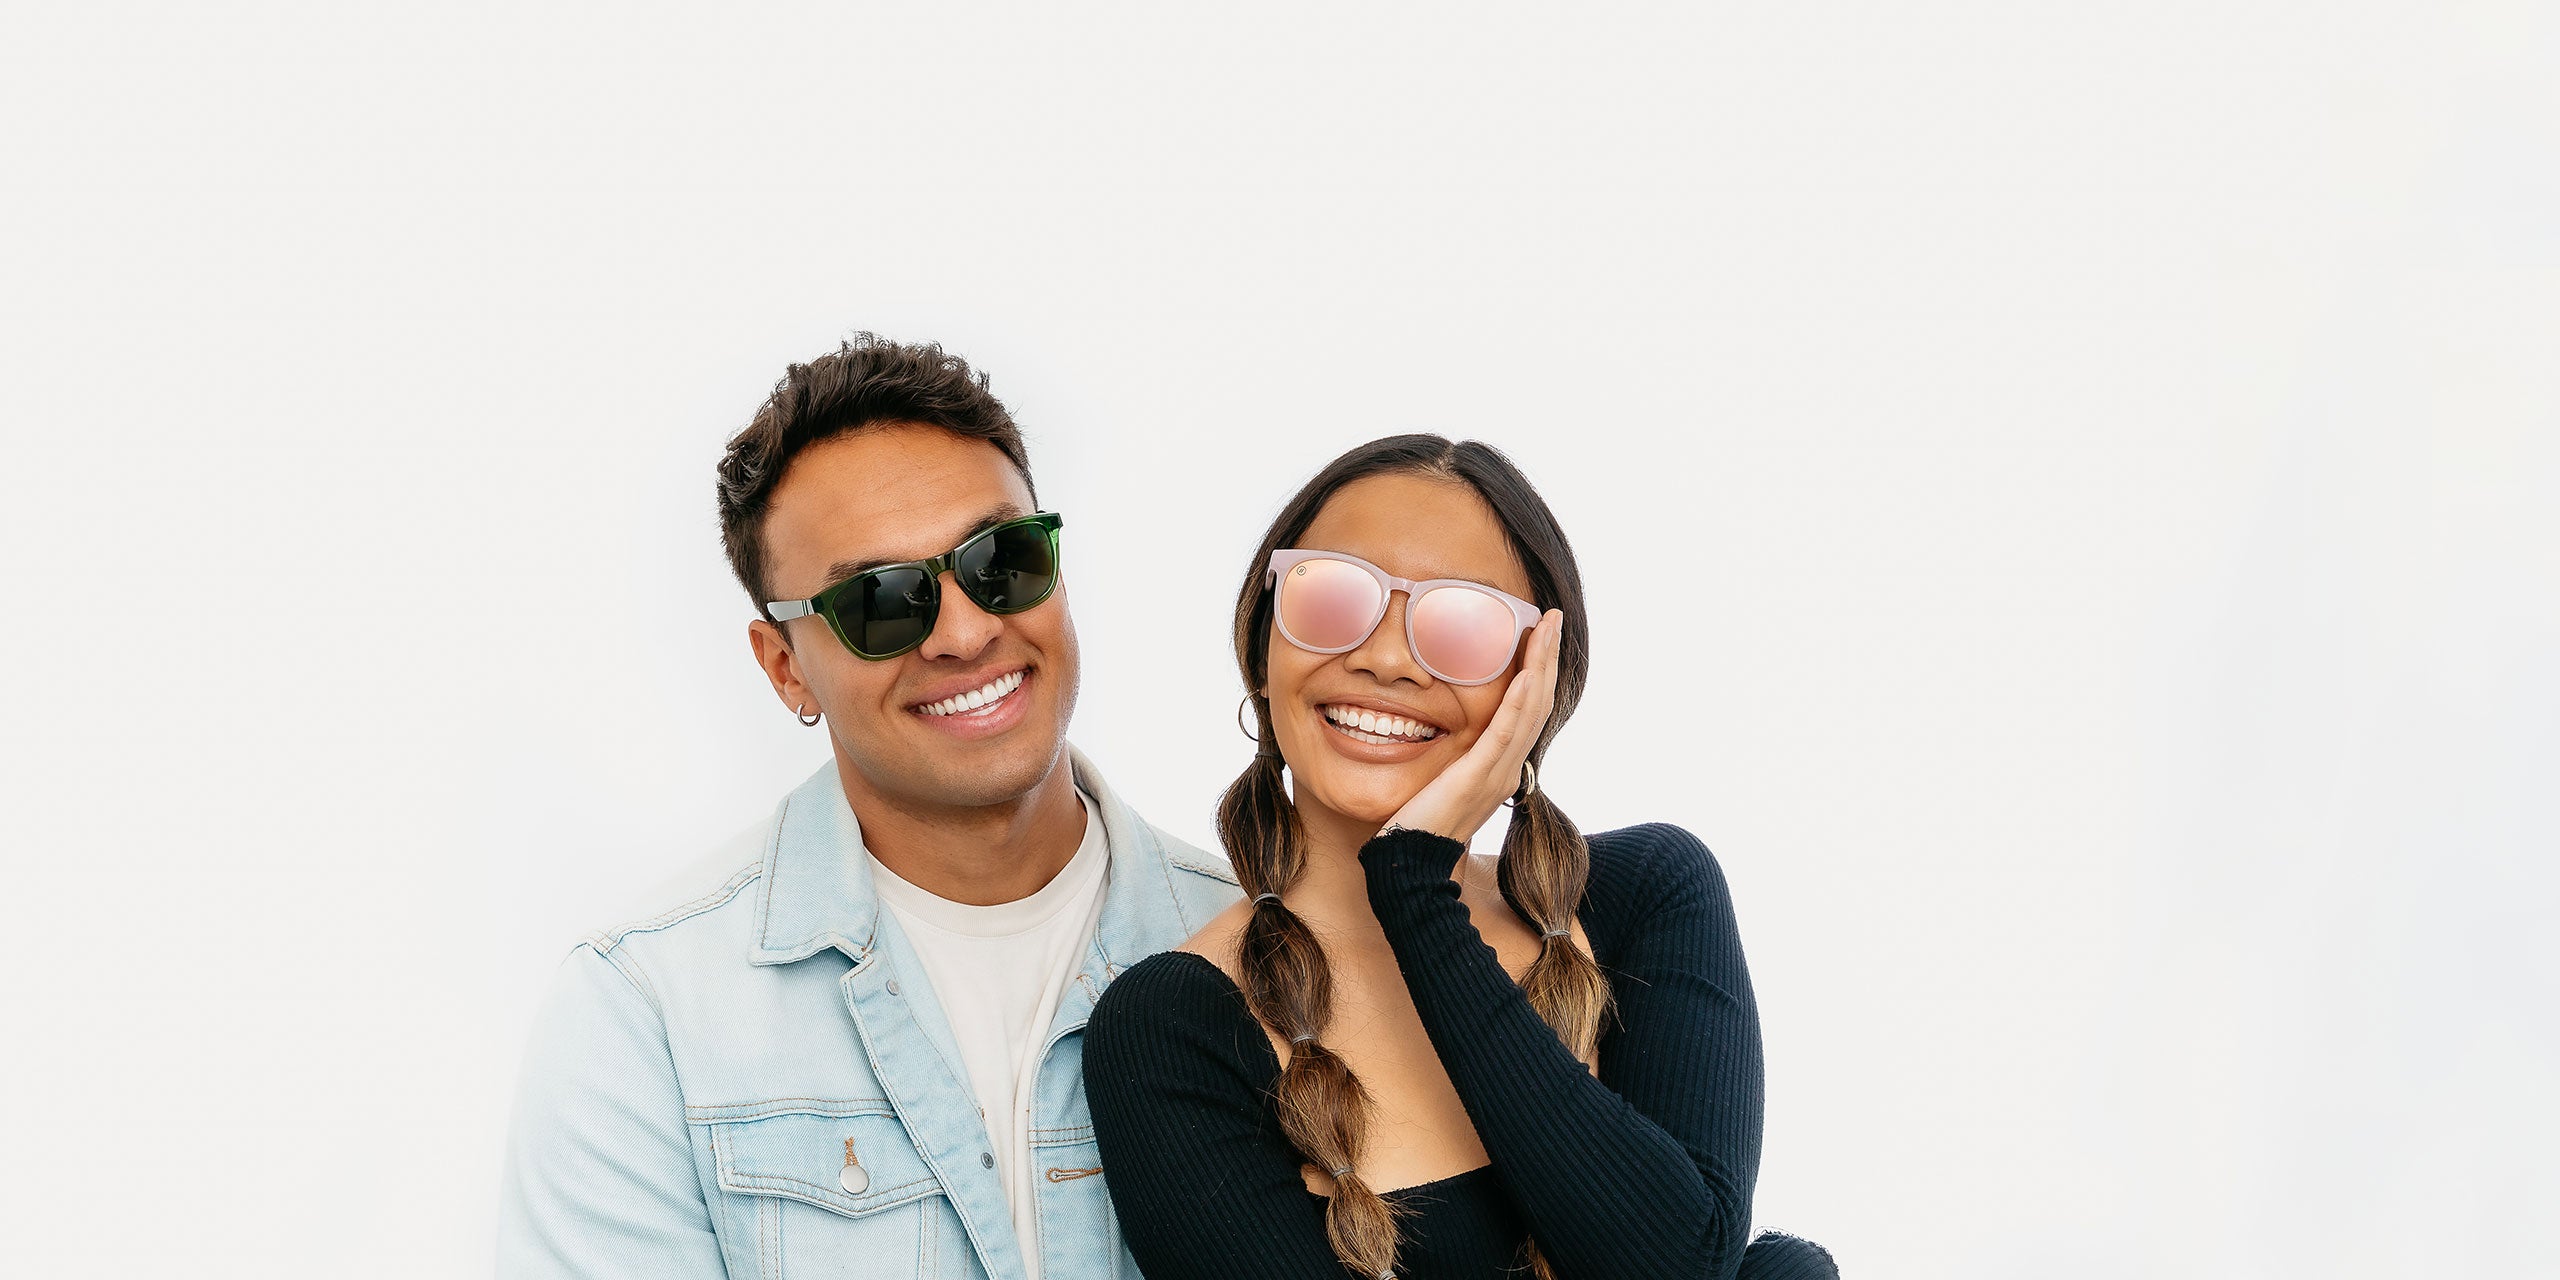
[(995, 515)]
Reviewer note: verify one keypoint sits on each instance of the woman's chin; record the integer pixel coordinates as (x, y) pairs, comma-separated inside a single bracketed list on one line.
[(1366, 805)]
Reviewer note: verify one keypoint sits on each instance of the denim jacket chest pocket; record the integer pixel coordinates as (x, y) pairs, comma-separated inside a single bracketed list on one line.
[(789, 1209)]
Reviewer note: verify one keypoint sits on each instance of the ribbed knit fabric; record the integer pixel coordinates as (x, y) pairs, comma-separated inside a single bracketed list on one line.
[(1644, 1171)]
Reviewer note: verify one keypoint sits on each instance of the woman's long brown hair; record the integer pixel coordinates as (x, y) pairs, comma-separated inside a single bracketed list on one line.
[(1321, 1106)]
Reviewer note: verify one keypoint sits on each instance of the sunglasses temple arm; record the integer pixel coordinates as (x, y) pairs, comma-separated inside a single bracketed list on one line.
[(786, 610)]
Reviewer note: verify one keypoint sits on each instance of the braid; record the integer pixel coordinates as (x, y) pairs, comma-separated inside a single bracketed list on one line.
[(1322, 1108), (1545, 865)]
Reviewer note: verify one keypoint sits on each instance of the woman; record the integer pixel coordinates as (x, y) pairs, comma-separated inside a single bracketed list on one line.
[(1394, 1058)]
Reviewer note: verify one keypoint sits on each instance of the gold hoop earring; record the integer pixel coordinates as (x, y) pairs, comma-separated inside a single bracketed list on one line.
[(1528, 785), (807, 716)]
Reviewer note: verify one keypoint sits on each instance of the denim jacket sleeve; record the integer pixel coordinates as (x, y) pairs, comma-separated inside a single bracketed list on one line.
[(600, 1178)]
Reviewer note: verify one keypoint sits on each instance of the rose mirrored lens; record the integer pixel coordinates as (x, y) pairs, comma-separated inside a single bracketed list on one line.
[(1009, 570), (1464, 634), (889, 611), (1326, 604)]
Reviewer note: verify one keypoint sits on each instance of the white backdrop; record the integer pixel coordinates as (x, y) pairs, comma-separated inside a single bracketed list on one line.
[(2067, 499)]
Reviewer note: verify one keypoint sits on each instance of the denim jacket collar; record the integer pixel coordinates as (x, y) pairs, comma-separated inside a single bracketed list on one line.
[(814, 894)]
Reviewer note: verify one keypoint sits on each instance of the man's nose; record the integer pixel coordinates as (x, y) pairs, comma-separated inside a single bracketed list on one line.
[(960, 629)]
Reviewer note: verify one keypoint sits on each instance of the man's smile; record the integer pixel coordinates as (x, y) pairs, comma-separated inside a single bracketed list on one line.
[(977, 700), (983, 707)]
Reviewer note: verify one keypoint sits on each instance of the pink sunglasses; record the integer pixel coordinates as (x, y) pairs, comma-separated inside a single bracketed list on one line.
[(1461, 632)]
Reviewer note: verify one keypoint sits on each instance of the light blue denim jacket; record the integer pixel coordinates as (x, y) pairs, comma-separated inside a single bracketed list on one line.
[(696, 1075)]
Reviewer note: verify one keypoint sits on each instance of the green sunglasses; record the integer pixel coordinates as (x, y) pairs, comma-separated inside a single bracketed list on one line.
[(883, 612)]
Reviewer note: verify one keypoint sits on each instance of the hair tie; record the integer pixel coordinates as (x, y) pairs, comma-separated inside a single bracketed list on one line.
[(1343, 1172), (1257, 898), (1565, 932), (1302, 1039)]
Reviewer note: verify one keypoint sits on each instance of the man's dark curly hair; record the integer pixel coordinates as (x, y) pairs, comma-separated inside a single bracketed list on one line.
[(867, 381)]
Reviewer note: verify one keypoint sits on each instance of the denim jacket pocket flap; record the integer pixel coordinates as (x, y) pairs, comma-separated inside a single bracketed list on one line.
[(802, 1155)]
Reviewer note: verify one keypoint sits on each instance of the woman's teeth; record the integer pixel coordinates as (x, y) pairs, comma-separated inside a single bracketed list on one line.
[(978, 699), (1370, 726)]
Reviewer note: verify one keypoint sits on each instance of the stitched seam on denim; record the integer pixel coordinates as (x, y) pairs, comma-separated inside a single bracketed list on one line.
[(813, 1193), (1201, 864), (831, 1108), (769, 1209), (721, 1210), (772, 855), (722, 1206), (850, 1102), (608, 939), (928, 1245), (1039, 1223), (1164, 864), (631, 972), (957, 1070), (1062, 1134)]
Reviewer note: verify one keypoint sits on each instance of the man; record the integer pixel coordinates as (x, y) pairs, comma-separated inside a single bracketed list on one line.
[(852, 1042)]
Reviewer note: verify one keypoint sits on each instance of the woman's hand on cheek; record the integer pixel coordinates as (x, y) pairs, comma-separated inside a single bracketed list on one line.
[(1464, 796)]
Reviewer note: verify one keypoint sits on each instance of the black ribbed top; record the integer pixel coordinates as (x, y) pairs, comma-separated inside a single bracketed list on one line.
[(1644, 1171)]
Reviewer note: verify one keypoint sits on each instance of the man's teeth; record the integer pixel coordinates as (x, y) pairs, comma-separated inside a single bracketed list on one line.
[(1370, 726), (977, 699)]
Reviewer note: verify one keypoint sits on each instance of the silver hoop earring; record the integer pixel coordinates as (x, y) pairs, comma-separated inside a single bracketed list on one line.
[(1241, 704), (807, 716), (1528, 784)]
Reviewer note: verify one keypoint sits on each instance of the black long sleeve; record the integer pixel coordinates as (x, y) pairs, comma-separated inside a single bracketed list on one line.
[(1645, 1170), (1648, 1169), (1205, 1184)]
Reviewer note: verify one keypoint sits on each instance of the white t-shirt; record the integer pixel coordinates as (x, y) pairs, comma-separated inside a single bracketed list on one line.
[(998, 973)]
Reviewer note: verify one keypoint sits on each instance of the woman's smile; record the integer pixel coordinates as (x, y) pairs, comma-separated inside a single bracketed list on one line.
[(1370, 724), (1375, 731)]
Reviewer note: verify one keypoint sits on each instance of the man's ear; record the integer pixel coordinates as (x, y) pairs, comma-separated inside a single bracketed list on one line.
[(781, 666)]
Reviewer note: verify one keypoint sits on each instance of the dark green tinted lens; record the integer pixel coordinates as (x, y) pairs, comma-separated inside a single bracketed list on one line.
[(888, 611), (1010, 569)]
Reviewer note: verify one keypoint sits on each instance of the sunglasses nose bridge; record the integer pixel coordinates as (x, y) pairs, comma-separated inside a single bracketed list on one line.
[(961, 626), (1387, 651)]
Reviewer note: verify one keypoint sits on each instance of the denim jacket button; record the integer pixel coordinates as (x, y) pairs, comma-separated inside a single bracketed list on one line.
[(986, 1159), (893, 986), (854, 1180)]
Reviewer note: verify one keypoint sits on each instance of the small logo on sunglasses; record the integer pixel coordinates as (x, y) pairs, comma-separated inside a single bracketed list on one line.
[(1302, 571)]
